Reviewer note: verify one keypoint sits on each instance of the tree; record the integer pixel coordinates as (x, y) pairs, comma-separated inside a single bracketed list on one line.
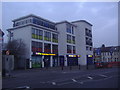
[(18, 49)]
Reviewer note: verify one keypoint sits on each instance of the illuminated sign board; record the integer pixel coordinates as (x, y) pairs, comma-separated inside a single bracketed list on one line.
[(37, 53), (73, 55), (89, 55)]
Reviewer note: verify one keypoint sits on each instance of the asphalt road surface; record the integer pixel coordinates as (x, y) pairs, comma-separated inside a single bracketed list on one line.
[(51, 78)]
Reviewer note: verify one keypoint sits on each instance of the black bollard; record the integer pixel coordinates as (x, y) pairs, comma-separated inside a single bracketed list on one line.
[(62, 67), (79, 67)]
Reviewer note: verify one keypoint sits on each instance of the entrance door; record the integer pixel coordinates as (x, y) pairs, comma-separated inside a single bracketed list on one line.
[(89, 60), (73, 61), (47, 61)]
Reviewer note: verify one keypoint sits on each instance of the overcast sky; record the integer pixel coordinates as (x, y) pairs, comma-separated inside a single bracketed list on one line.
[(102, 15)]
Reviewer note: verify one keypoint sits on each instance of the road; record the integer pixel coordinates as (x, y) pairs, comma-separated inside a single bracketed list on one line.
[(37, 78)]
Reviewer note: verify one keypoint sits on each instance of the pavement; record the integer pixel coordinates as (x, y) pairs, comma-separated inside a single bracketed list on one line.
[(66, 78)]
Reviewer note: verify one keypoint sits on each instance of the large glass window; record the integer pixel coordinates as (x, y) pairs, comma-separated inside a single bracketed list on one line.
[(43, 23), (55, 48), (37, 34), (47, 48), (74, 50), (72, 30), (69, 49), (36, 46), (68, 38), (55, 38), (88, 32), (88, 41), (47, 36), (73, 39), (68, 29)]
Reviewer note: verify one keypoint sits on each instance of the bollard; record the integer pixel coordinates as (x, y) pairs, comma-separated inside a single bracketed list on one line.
[(79, 67), (61, 67)]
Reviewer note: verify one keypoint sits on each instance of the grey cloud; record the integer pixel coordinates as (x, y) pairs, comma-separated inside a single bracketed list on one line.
[(103, 16)]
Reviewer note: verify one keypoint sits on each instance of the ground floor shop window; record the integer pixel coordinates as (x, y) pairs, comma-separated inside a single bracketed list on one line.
[(72, 61), (36, 61)]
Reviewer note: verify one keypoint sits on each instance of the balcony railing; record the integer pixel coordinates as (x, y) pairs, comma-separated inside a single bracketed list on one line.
[(47, 39), (55, 40)]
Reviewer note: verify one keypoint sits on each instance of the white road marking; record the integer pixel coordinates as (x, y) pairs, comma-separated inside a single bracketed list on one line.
[(102, 75), (81, 82), (89, 77), (53, 83), (74, 80)]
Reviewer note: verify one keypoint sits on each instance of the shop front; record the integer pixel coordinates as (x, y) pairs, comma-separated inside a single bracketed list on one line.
[(90, 60), (72, 60), (36, 61), (40, 59)]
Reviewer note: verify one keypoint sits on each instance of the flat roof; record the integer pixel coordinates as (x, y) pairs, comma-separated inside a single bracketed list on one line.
[(32, 25), (82, 21), (32, 15), (1, 32), (65, 22)]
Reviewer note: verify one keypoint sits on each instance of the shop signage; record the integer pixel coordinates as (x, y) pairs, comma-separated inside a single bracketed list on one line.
[(37, 53), (89, 55), (73, 55)]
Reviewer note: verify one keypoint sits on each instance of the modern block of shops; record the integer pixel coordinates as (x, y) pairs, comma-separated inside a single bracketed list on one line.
[(52, 44)]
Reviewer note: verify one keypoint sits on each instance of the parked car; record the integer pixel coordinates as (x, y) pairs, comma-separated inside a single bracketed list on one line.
[(103, 65)]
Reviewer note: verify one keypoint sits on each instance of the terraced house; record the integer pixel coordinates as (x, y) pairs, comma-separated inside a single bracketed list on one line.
[(51, 44)]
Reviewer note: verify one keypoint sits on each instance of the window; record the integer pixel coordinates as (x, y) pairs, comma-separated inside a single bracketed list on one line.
[(68, 38), (37, 34), (55, 38), (52, 26), (36, 46), (90, 48), (72, 30), (74, 50), (47, 48), (47, 36), (73, 39), (55, 49), (88, 32), (87, 48), (89, 41), (43, 23), (69, 49), (68, 29)]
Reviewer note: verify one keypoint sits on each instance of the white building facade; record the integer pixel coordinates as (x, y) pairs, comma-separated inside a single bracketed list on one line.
[(51, 44), (107, 54)]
